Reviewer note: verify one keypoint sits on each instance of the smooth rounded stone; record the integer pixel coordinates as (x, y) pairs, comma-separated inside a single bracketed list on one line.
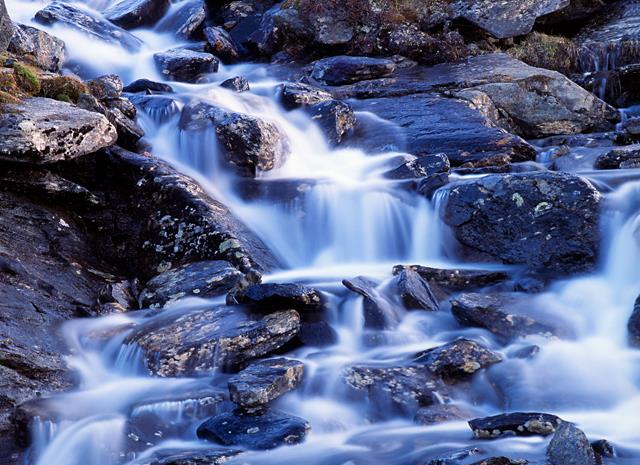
[(570, 446), (297, 94), (546, 221), (105, 87), (317, 334), (199, 279), (379, 312), (219, 337), (41, 130), (148, 86), (335, 118), (405, 387), (47, 51), (249, 144), (501, 461), (633, 325), (420, 167), (458, 360), (220, 43), (257, 432), (236, 84), (264, 381), (507, 315), (505, 19), (338, 70), (429, 185), (615, 159), (131, 14), (603, 448), (76, 18), (6, 27), (268, 297), (123, 104), (415, 291), (184, 65), (515, 424), (186, 22), (216, 456), (440, 413)]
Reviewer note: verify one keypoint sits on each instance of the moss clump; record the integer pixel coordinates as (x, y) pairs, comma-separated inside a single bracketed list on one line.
[(63, 88), (8, 81), (26, 78), (6, 97), (546, 51)]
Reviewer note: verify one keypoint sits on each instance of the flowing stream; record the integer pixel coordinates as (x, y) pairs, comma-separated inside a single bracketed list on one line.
[(343, 220)]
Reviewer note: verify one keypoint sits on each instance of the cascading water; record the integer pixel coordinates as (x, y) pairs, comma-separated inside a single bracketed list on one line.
[(342, 219)]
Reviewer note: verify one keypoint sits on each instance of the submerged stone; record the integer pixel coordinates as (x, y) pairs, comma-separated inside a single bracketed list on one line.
[(515, 424)]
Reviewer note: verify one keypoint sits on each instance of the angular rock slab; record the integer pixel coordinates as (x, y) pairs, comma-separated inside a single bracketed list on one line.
[(570, 446), (546, 221), (130, 14), (6, 27), (199, 279), (47, 51), (195, 457), (273, 296), (515, 424), (42, 130), (220, 337), (339, 70), (264, 381), (185, 65), (267, 431)]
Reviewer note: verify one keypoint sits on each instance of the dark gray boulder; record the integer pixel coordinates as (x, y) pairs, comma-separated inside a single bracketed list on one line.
[(70, 16), (42, 130), (186, 22), (506, 315), (148, 86), (633, 325), (379, 311), (440, 413), (546, 221), (6, 27), (335, 118), (415, 291), (420, 167), (236, 84), (515, 424), (335, 71), (137, 13), (258, 432), (106, 87), (44, 49), (249, 144), (199, 341), (180, 64), (199, 279), (458, 360), (298, 94), (627, 157), (264, 381), (501, 461), (570, 446), (269, 297), (215, 456), (220, 43)]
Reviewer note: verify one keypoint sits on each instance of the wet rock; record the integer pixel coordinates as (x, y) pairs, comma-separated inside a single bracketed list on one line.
[(180, 457), (406, 388), (603, 449), (619, 158), (42, 130), (184, 65), (440, 413), (147, 86), (249, 144), (335, 118), (6, 27), (317, 334), (515, 424), (633, 325), (501, 461), (297, 94), (267, 431), (546, 221), (506, 19), (199, 341), (75, 18), (339, 70), (106, 87), (379, 312), (458, 360), (44, 49), (415, 291), (272, 296), (456, 457), (137, 13), (160, 108), (187, 22), (426, 123), (220, 43), (199, 279), (264, 381), (420, 167), (508, 316), (525, 352), (122, 293), (236, 84), (570, 446)]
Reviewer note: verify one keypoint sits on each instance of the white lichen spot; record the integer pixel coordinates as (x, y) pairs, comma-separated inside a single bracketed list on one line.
[(517, 198)]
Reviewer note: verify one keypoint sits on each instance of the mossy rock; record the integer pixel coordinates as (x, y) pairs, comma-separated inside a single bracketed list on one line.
[(26, 78), (63, 88), (547, 51), (6, 97), (8, 82)]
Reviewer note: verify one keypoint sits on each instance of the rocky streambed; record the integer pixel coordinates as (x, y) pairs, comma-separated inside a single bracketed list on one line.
[(375, 232)]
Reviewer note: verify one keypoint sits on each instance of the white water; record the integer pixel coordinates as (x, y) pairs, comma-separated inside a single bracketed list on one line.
[(345, 221)]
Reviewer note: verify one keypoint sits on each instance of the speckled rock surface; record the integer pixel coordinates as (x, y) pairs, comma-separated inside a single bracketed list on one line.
[(264, 381)]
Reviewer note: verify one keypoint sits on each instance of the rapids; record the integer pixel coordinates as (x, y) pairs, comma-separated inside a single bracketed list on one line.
[(344, 220)]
